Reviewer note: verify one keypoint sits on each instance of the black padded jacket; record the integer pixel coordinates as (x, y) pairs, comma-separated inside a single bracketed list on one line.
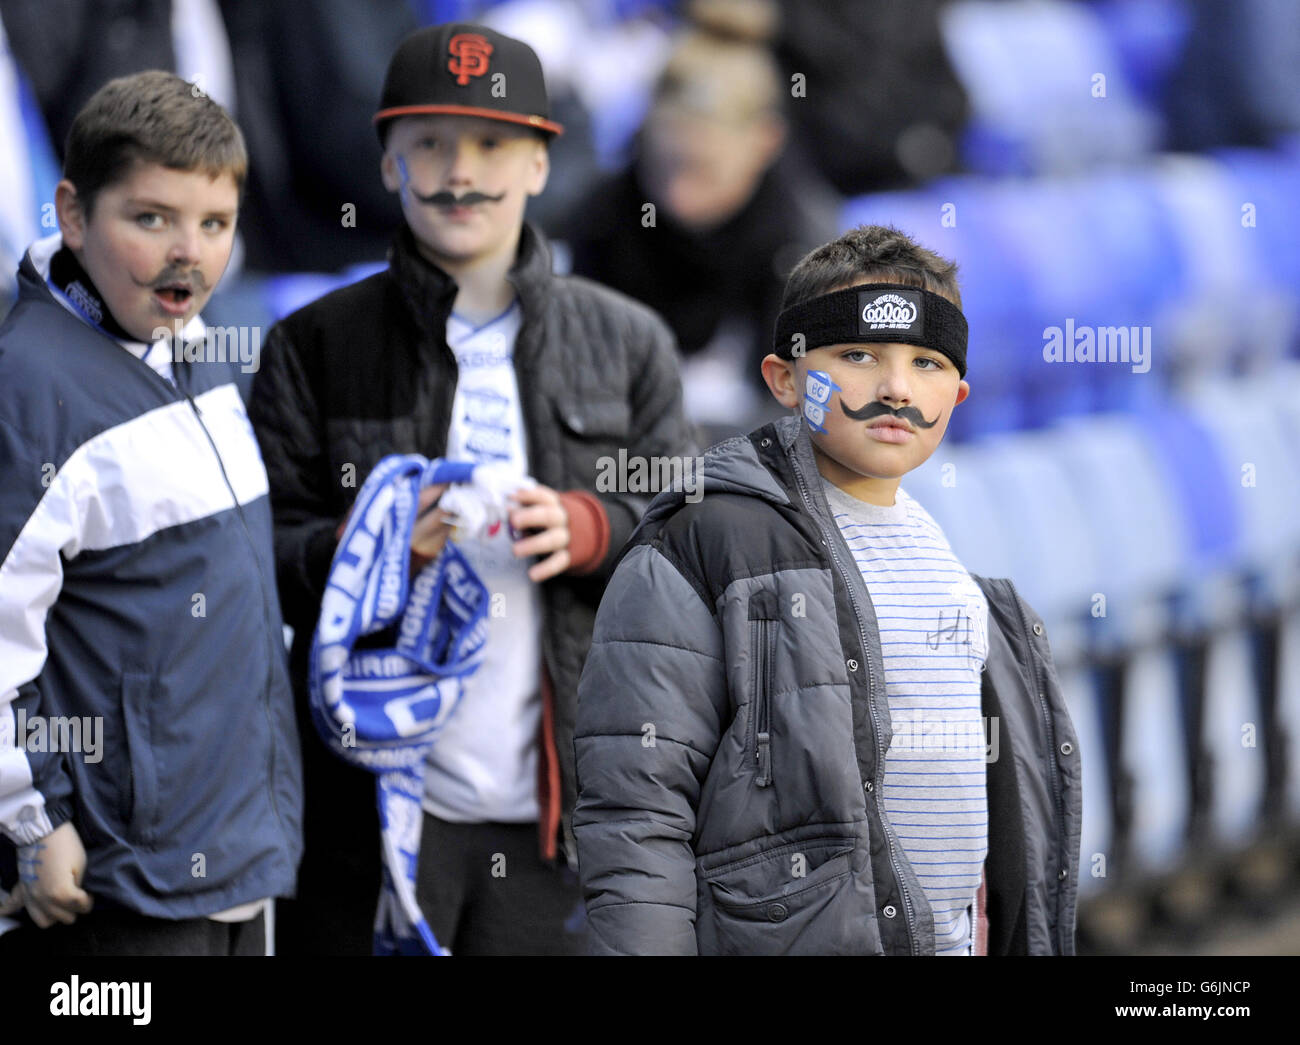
[(365, 371)]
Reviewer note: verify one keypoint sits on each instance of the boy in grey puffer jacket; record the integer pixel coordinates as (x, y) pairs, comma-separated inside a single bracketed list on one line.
[(803, 726)]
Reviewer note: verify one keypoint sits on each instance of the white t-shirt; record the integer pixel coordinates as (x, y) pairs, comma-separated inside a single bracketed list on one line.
[(933, 622), (484, 764)]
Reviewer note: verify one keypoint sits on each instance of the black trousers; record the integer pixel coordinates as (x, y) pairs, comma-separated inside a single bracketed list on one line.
[(120, 933), (526, 907), (333, 910), (485, 890)]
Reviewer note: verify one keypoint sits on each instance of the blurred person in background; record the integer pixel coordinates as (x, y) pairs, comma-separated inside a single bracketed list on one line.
[(69, 48), (706, 221), (308, 76), (879, 105)]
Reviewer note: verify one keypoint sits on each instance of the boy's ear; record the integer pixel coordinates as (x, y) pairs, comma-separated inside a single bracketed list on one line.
[(72, 216), (963, 390), (781, 380), (540, 171), (389, 173)]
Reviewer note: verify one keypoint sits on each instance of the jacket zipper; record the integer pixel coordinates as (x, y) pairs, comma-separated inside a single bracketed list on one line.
[(1040, 689), (829, 541), (266, 609), (763, 697)]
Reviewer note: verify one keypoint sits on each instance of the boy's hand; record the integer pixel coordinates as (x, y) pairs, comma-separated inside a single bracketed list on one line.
[(431, 528), (541, 511), (50, 873)]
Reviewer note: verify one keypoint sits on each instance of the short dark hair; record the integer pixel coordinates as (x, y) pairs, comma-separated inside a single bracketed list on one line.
[(870, 253), (150, 117)]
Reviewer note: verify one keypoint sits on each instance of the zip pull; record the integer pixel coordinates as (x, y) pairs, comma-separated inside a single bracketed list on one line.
[(764, 777)]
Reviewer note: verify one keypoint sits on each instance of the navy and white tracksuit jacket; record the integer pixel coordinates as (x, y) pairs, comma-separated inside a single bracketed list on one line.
[(137, 587)]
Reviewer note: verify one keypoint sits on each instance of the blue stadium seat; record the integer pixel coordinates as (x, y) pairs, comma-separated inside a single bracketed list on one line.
[(1148, 36), (1257, 478), (1260, 474), (1154, 757), (1221, 286), (1096, 841), (1267, 185), (1042, 512), (1269, 181), (1027, 67), (1191, 461), (1232, 733), (1130, 513), (1130, 507)]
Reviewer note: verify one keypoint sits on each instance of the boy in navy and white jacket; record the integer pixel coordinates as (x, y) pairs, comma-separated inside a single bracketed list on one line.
[(150, 780)]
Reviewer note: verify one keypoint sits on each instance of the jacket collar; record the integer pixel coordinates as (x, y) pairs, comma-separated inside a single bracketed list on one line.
[(797, 443), (429, 292)]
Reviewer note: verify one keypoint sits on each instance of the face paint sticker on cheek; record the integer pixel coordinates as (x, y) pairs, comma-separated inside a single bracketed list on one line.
[(817, 397), (405, 188)]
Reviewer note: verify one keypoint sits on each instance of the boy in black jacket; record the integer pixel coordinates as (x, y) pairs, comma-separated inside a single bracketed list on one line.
[(468, 346)]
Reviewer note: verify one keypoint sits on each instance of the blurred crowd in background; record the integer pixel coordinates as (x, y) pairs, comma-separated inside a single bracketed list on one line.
[(1097, 164)]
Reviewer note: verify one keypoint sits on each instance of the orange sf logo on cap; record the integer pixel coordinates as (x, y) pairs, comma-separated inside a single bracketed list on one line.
[(469, 56)]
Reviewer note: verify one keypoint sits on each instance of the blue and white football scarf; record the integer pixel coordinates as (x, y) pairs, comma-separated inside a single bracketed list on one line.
[(382, 709)]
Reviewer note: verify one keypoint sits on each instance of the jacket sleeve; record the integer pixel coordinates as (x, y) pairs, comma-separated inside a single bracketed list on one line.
[(659, 427), (37, 524), (286, 418), (651, 709)]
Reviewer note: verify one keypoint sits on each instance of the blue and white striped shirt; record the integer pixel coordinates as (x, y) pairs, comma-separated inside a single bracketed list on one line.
[(933, 621)]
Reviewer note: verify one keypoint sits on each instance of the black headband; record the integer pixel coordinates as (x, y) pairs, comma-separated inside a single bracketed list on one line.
[(874, 312)]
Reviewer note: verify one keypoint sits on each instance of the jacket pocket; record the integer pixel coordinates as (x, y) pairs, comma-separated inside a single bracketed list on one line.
[(763, 619), (797, 898), (596, 418), (784, 872), (137, 714)]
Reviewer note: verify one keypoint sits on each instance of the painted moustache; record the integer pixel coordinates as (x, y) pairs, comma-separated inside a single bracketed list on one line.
[(450, 199), (872, 410)]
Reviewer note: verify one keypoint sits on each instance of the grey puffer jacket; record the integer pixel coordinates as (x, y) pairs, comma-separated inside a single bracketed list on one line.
[(686, 827)]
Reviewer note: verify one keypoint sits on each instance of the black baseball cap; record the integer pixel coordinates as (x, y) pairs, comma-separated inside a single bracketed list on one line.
[(466, 70)]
